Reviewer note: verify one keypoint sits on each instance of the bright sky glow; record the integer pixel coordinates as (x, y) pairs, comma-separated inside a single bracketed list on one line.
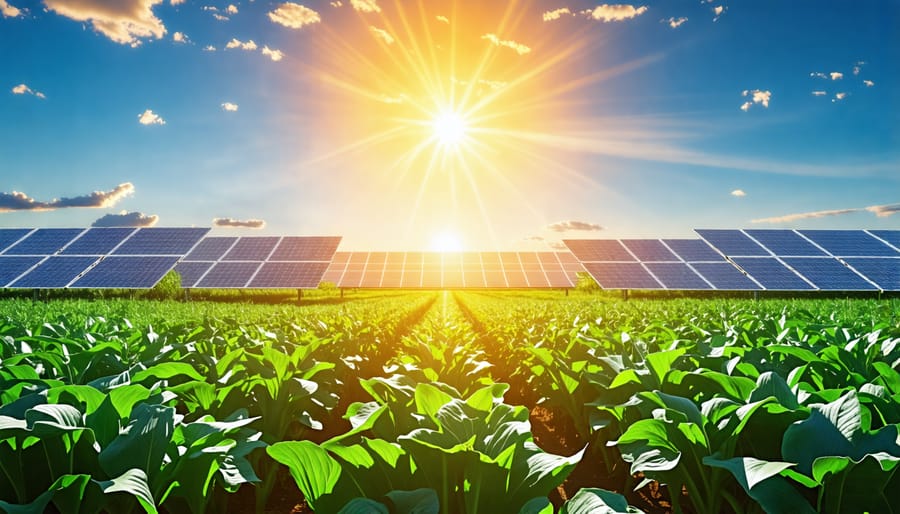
[(516, 123)]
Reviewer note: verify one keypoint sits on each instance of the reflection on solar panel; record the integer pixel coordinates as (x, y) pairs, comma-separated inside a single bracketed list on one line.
[(305, 249), (12, 267), (850, 243), (884, 271), (8, 236), (891, 236), (828, 274), (289, 275), (785, 243), (434, 270), (772, 274), (229, 274), (693, 250), (649, 250), (161, 241), (732, 243), (191, 272), (621, 275), (677, 275), (97, 241), (211, 249), (598, 250), (251, 249), (127, 272), (55, 272), (723, 275), (44, 241)]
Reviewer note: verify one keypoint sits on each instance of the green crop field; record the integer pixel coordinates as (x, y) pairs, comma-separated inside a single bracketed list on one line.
[(450, 402)]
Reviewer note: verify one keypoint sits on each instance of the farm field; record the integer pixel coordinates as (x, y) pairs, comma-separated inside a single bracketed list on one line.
[(450, 402)]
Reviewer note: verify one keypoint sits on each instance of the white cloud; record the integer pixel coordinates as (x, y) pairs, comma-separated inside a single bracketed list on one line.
[(232, 223), (231, 9), (382, 34), (570, 225), (336, 3), (148, 117), (836, 75), (868, 83), (675, 22), (275, 55), (881, 211), (757, 96), (176, 2), (17, 201), (294, 16), (9, 11), (719, 10), (237, 43), (22, 89), (122, 21), (839, 96), (127, 219), (818, 74), (615, 12), (209, 48), (209, 8), (230, 107), (442, 19), (738, 193), (179, 37), (819, 93), (519, 48), (220, 17), (365, 5), (555, 14)]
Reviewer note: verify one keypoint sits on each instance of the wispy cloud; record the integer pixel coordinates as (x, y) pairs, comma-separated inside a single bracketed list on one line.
[(881, 211), (615, 12), (336, 3), (22, 89), (365, 5), (294, 16), (442, 19), (836, 75), (18, 201), (675, 22), (382, 34), (573, 225), (127, 219), (739, 193), (220, 17), (149, 117), (818, 74), (209, 48), (819, 93), (839, 96), (275, 55), (9, 11), (718, 11), (230, 107), (243, 45), (234, 223), (868, 83), (519, 48), (124, 21), (757, 96), (555, 14)]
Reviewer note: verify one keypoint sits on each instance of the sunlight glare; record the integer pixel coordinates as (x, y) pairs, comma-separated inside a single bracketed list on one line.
[(446, 242), (449, 128)]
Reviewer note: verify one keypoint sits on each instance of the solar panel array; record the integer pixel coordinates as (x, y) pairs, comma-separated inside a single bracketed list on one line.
[(753, 259), (258, 262), (434, 270)]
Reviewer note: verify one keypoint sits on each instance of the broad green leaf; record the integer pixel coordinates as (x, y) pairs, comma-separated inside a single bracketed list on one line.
[(143, 442), (133, 482), (591, 500), (364, 506), (659, 363), (167, 370), (314, 471), (419, 501), (430, 399), (772, 384), (540, 505)]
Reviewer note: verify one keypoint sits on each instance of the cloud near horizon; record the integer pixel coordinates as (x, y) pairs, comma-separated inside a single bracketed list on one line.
[(881, 211), (615, 12), (233, 223), (294, 16), (125, 22), (127, 219), (18, 201), (573, 225)]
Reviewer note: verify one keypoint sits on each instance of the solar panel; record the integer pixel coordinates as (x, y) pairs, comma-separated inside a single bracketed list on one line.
[(229, 274), (305, 249), (55, 272), (884, 271), (192, 272), (828, 274), (97, 241), (289, 275), (211, 249), (785, 243), (649, 250), (850, 243), (677, 275), (772, 274), (693, 250), (12, 267), (44, 241), (621, 275), (252, 249), (732, 243), (598, 250), (891, 236), (127, 272), (8, 236), (724, 276), (161, 241)]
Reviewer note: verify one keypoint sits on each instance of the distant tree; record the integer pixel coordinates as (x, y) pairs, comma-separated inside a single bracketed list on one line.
[(169, 288), (586, 283)]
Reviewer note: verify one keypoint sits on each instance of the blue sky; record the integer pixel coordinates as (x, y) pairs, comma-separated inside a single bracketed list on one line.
[(573, 119)]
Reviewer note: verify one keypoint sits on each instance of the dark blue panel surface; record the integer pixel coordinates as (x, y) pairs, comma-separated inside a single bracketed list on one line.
[(127, 272), (724, 276), (676, 275), (694, 250), (289, 275), (12, 267), (211, 249), (305, 249), (8, 236), (891, 236), (57, 271), (786, 243), (732, 243), (44, 241), (229, 274), (772, 274), (882, 270), (161, 241), (251, 249), (598, 250), (97, 241), (850, 243), (621, 275), (191, 272), (828, 274), (649, 250)]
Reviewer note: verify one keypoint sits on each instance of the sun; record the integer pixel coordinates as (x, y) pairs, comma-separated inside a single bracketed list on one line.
[(446, 242), (449, 128)]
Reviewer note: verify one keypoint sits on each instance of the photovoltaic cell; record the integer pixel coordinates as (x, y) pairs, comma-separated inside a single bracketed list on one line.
[(598, 250), (44, 241), (891, 236), (649, 250), (127, 272), (850, 243), (732, 243), (724, 276), (694, 250), (772, 274), (161, 241), (677, 275), (229, 274), (884, 271), (289, 275), (251, 249), (211, 249), (55, 272), (191, 272), (786, 243), (621, 275), (12, 267), (305, 249), (828, 274), (97, 241), (8, 236)]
